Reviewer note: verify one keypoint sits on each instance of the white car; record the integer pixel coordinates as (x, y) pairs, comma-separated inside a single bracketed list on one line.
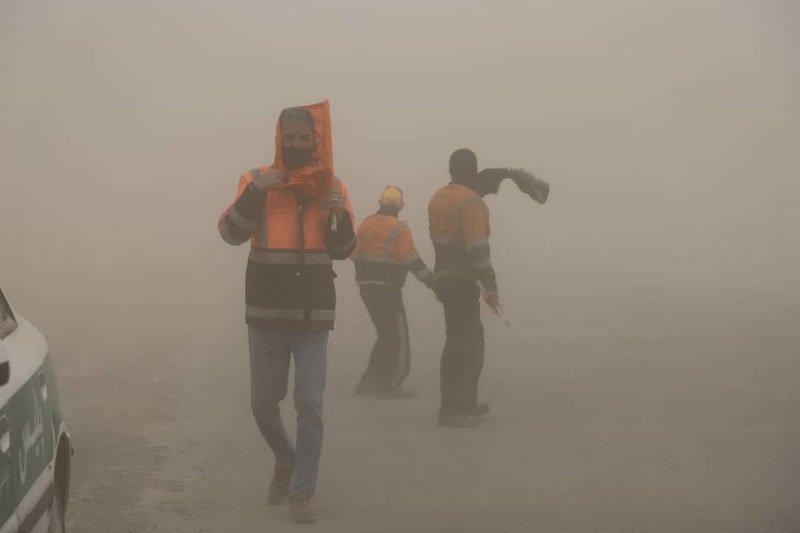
[(35, 448)]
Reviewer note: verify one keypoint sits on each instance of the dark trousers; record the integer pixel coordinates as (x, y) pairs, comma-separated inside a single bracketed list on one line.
[(390, 359), (462, 358)]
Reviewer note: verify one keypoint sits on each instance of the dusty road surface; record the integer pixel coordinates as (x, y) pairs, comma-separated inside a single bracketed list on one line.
[(659, 435)]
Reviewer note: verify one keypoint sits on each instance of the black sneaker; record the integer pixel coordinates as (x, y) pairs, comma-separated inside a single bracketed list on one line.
[(301, 512), (279, 487), (481, 409)]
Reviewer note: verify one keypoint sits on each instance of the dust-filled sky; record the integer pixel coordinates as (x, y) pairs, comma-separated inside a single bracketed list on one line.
[(667, 130)]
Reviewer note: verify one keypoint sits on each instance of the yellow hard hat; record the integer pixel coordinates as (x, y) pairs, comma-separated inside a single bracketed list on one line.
[(391, 196)]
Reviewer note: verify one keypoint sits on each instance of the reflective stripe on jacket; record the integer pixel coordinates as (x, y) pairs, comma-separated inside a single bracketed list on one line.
[(459, 229), (289, 279), (385, 253)]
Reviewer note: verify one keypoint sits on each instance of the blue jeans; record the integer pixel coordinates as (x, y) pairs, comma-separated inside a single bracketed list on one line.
[(270, 350)]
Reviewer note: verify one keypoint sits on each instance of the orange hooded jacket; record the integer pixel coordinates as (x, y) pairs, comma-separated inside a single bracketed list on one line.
[(293, 238)]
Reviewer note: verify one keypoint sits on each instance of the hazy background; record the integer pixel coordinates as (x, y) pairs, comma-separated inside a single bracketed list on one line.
[(668, 252)]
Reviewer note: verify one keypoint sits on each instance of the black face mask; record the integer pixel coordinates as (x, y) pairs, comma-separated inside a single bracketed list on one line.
[(297, 157)]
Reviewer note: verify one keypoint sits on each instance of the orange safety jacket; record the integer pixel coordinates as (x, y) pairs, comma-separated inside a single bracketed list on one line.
[(385, 253), (459, 227), (293, 242)]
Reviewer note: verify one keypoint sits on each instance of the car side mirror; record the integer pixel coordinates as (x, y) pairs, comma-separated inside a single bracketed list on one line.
[(5, 365), (8, 323)]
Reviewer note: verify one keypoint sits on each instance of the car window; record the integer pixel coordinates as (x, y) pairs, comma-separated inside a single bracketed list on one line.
[(7, 322)]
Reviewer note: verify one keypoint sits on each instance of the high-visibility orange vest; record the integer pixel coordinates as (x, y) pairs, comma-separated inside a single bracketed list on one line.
[(385, 252), (459, 229)]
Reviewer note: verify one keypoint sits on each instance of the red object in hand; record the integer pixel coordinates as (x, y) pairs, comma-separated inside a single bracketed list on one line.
[(491, 299)]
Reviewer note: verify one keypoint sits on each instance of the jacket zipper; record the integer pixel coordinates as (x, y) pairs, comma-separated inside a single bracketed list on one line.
[(301, 240)]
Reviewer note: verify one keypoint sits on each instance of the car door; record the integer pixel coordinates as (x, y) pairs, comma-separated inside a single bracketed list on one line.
[(28, 413), (8, 489)]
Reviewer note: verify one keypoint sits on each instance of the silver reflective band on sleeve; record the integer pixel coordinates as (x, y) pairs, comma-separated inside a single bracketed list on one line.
[(239, 220), (322, 315), (268, 313), (483, 263), (483, 243), (289, 257)]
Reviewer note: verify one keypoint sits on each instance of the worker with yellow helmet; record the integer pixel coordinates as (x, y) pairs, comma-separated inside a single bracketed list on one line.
[(383, 256)]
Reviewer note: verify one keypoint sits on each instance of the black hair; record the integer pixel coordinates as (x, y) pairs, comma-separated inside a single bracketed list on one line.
[(300, 114), (463, 164)]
